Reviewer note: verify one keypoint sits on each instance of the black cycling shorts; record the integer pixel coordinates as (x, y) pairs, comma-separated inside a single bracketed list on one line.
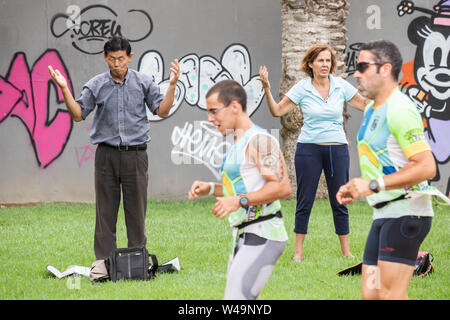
[(396, 239)]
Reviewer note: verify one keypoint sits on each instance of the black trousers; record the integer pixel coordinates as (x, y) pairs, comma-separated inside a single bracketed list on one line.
[(119, 174)]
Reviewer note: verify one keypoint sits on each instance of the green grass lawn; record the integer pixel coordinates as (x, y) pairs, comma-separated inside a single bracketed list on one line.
[(62, 235)]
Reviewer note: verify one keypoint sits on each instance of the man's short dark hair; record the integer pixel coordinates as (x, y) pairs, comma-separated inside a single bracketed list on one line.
[(385, 51), (229, 90), (117, 43)]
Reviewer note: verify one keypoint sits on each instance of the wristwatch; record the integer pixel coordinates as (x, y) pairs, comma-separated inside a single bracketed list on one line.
[(243, 201), (373, 185)]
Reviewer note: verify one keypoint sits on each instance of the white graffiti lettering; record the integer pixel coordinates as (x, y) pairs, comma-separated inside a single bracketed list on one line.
[(374, 20), (199, 74), (199, 143)]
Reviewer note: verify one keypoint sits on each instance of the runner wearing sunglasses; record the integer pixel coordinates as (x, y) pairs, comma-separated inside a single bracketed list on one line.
[(396, 162)]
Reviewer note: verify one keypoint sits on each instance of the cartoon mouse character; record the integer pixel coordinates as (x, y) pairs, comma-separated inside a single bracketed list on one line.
[(429, 86), (432, 67)]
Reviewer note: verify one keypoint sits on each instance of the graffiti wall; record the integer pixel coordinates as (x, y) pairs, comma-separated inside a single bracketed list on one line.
[(45, 156), (421, 29)]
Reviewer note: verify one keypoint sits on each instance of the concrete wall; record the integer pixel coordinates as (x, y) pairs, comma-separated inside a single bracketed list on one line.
[(45, 157), (422, 33)]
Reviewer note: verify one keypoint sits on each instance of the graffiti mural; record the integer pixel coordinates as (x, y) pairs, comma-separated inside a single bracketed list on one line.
[(426, 79), (199, 143), (198, 74), (25, 94), (351, 57), (40, 141), (90, 27)]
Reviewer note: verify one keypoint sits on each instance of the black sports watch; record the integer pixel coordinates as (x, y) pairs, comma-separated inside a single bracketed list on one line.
[(373, 185), (243, 201)]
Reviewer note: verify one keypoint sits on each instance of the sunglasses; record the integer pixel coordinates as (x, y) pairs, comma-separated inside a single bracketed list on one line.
[(362, 66), (212, 112)]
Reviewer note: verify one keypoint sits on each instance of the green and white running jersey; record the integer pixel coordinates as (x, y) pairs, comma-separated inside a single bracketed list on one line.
[(389, 135), (240, 176)]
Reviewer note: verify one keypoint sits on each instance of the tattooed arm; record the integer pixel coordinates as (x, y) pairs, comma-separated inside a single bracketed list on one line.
[(264, 151)]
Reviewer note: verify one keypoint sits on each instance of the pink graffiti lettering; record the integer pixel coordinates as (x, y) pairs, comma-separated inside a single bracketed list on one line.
[(87, 153), (25, 93), (10, 95)]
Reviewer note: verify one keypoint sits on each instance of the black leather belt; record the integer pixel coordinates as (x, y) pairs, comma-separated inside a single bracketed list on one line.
[(263, 218), (385, 203), (126, 148)]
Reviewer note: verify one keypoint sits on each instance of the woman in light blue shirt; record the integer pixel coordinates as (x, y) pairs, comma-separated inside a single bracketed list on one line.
[(322, 144)]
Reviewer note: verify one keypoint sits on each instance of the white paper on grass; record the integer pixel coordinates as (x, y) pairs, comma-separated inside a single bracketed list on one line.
[(174, 262), (84, 271)]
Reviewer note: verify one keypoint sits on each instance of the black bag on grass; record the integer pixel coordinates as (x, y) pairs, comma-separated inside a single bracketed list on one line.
[(422, 268), (424, 264), (131, 264)]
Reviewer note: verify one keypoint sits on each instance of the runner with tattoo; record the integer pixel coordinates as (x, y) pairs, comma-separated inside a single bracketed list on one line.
[(254, 178)]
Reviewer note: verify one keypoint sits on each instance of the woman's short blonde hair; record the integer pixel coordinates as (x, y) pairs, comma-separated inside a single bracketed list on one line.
[(312, 54)]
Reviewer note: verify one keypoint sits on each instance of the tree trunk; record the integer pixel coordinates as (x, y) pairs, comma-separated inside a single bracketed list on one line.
[(305, 23)]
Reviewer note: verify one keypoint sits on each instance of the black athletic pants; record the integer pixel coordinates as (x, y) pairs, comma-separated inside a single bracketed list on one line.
[(310, 160)]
